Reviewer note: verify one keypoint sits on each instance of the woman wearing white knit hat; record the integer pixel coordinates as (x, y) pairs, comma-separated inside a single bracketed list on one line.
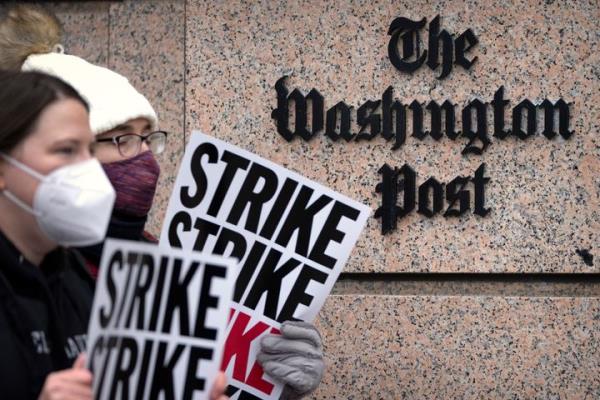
[(125, 125), (124, 122), (28, 38)]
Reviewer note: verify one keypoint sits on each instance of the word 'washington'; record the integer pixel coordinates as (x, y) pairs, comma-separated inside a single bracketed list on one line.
[(388, 118)]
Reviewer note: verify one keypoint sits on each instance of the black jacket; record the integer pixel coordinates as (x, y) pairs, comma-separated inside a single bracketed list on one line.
[(44, 313)]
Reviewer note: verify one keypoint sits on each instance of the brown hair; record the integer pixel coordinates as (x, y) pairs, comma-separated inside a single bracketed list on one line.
[(23, 97), (26, 30)]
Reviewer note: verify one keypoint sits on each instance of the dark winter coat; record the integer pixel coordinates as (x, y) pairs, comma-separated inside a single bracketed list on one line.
[(44, 313)]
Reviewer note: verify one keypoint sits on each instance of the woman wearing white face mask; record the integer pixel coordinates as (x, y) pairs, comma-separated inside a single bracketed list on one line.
[(128, 136), (50, 191), (53, 195)]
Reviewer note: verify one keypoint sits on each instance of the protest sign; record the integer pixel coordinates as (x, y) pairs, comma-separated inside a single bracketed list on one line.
[(290, 235), (158, 322)]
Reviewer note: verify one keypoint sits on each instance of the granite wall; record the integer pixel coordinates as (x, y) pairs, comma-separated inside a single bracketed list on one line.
[(504, 306)]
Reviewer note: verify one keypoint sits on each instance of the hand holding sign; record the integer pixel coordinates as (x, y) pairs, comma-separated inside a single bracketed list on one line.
[(73, 383), (295, 358), (219, 386), (291, 236)]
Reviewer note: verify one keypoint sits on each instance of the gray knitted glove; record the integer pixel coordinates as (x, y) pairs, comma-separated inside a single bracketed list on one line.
[(294, 358)]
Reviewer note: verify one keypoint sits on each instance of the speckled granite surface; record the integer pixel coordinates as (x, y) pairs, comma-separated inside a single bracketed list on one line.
[(147, 46), (79, 20), (484, 285), (544, 194), (384, 347), (226, 57)]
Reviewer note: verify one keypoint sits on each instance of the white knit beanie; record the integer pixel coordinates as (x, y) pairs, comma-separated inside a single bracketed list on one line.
[(112, 99)]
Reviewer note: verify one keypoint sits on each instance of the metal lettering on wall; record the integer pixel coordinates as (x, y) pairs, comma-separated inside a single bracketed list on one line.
[(388, 118), (407, 31)]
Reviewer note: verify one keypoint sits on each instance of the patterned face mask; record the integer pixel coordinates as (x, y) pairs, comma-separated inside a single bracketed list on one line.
[(134, 180)]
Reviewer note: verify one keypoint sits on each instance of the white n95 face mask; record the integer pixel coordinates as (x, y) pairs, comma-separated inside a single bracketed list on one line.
[(72, 204)]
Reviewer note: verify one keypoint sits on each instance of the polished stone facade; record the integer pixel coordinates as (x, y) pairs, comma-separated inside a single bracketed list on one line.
[(212, 65)]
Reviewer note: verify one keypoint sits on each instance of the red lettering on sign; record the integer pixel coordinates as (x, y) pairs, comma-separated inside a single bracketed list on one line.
[(238, 344)]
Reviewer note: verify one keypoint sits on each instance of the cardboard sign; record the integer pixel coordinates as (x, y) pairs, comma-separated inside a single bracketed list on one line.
[(291, 236), (158, 322)]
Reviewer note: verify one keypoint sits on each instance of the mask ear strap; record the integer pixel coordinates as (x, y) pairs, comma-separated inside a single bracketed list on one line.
[(20, 203), (27, 170), (22, 167)]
